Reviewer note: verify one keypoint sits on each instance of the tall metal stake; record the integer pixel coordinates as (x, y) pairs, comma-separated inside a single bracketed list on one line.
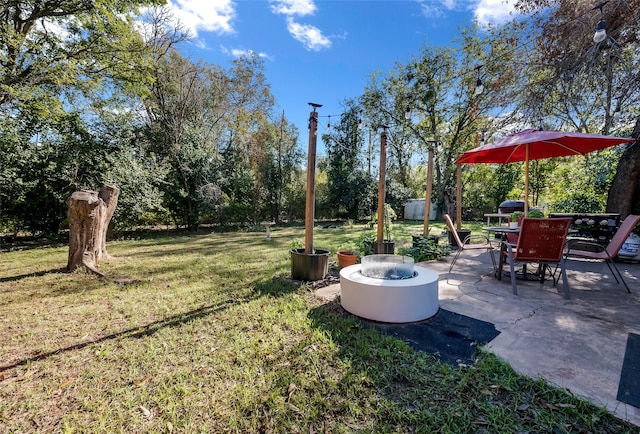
[(381, 187), (309, 214)]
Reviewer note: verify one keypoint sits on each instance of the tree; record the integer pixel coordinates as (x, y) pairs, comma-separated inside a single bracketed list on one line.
[(181, 116), (250, 106), (348, 182), (53, 48), (58, 58), (590, 86), (48, 161), (275, 156), (437, 86)]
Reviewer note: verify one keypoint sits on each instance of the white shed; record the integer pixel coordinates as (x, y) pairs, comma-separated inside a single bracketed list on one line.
[(414, 210)]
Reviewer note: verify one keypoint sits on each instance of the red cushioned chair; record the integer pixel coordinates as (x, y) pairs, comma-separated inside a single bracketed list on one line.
[(541, 241)]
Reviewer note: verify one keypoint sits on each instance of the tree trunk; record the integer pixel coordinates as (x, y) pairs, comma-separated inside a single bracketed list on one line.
[(624, 186), (89, 214), (109, 194)]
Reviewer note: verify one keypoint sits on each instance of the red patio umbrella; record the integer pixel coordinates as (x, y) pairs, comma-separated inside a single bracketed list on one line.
[(529, 145)]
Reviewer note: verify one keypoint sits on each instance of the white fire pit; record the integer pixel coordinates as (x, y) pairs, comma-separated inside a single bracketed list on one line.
[(389, 288)]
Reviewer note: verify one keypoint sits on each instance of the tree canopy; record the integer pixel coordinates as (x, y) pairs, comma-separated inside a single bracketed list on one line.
[(95, 92)]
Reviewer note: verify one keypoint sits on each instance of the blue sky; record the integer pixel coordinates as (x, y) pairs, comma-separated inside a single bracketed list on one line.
[(323, 51)]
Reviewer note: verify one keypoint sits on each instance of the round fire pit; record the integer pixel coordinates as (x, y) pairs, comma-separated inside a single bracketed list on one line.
[(389, 288)]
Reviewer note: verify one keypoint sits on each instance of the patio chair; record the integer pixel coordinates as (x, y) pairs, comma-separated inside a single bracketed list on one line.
[(541, 241), (581, 249), (466, 244)]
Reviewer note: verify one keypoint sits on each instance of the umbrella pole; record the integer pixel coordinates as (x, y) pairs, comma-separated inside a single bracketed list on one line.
[(427, 201), (459, 197), (526, 179)]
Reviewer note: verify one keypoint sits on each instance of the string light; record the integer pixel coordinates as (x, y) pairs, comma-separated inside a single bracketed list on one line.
[(601, 29), (479, 86)]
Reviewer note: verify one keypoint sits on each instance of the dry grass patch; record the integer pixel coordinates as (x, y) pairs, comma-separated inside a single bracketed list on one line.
[(205, 333)]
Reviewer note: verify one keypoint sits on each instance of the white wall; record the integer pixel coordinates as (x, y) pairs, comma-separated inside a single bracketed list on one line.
[(414, 210)]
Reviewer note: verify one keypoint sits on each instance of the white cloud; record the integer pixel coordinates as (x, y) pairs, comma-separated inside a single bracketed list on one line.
[(310, 36), (207, 15), (437, 8), (237, 52), (493, 11), (293, 7), (485, 11)]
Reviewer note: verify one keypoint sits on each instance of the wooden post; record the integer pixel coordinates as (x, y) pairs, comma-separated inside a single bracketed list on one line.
[(381, 188), (459, 197), (427, 201), (309, 220)]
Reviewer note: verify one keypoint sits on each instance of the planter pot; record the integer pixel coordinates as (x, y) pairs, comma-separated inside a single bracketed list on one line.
[(346, 258), (387, 248), (309, 267), (513, 225), (462, 233)]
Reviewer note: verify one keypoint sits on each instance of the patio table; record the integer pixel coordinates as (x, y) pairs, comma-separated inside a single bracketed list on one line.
[(496, 215), (502, 231)]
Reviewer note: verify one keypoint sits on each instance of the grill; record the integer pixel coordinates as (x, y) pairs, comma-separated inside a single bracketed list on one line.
[(509, 206)]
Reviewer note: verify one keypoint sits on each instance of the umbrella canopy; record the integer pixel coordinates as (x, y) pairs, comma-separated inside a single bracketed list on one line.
[(536, 144)]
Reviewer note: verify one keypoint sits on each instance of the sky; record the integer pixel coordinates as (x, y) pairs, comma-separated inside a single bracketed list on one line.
[(323, 51)]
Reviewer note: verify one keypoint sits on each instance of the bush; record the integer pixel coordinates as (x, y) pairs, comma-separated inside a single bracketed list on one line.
[(425, 249)]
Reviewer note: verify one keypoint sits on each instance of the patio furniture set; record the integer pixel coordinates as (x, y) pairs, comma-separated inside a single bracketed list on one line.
[(543, 241), (548, 243)]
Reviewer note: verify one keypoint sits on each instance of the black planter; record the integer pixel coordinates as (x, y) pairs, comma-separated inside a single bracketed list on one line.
[(387, 248), (462, 233), (309, 266)]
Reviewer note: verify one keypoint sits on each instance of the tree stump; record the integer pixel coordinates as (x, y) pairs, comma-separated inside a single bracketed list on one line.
[(89, 214)]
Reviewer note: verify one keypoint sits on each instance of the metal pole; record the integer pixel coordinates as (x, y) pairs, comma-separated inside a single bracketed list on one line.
[(311, 178), (427, 201), (459, 197), (526, 179), (381, 187)]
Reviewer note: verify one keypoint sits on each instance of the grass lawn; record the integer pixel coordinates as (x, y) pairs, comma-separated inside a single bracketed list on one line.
[(206, 333)]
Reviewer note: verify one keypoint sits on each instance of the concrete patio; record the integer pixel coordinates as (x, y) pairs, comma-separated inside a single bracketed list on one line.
[(577, 344)]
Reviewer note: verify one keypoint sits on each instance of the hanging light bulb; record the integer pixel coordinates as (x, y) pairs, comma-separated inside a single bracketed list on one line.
[(601, 32), (479, 86), (601, 29), (407, 114)]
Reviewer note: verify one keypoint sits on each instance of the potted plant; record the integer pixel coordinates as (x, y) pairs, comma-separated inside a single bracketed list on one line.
[(515, 219), (425, 249), (365, 243), (347, 256), (308, 266), (417, 239), (536, 213)]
